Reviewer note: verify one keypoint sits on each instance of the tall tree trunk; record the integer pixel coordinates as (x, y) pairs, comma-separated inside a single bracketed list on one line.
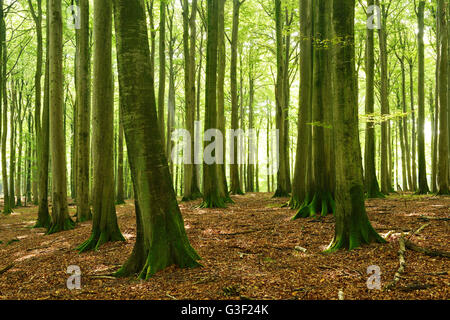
[(442, 170), (283, 185), (223, 185), (44, 219), (423, 184), (60, 211), (104, 227), (3, 54), (352, 226), (191, 188), (370, 178), (83, 115), (236, 187), (321, 191), (386, 184), (161, 239), (211, 195)]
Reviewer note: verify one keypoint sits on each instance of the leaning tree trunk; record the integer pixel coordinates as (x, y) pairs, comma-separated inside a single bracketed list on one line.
[(60, 211), (161, 239), (352, 227), (104, 227)]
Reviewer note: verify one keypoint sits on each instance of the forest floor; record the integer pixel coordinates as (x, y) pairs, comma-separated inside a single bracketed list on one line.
[(248, 252)]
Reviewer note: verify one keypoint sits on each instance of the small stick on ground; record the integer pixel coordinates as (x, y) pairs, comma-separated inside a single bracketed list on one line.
[(3, 270), (426, 251), (401, 269)]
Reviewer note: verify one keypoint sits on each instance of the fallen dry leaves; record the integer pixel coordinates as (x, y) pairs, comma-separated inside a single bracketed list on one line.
[(248, 252)]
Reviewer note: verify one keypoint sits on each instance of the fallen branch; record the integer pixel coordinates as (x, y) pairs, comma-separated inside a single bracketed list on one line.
[(402, 263), (2, 271), (427, 218), (426, 251)]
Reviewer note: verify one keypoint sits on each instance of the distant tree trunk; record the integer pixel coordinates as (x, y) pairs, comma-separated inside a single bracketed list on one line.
[(223, 185), (236, 187), (18, 183), (442, 170), (423, 184), (83, 115), (352, 227), (191, 188), (120, 172), (171, 98), (370, 179), (413, 132), (251, 137), (12, 145), (105, 227), (161, 239)]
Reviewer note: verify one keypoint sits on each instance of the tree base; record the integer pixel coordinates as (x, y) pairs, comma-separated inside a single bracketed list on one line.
[(158, 258), (375, 195), (322, 202), (212, 202), (84, 217), (354, 239), (98, 238), (65, 225)]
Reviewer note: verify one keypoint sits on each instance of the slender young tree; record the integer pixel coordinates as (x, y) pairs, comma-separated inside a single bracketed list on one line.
[(352, 226), (60, 211), (161, 239), (162, 68), (104, 227)]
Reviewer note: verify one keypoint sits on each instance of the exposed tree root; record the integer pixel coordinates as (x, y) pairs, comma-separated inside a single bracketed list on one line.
[(279, 193), (402, 263), (98, 238), (158, 258), (65, 225), (322, 203)]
